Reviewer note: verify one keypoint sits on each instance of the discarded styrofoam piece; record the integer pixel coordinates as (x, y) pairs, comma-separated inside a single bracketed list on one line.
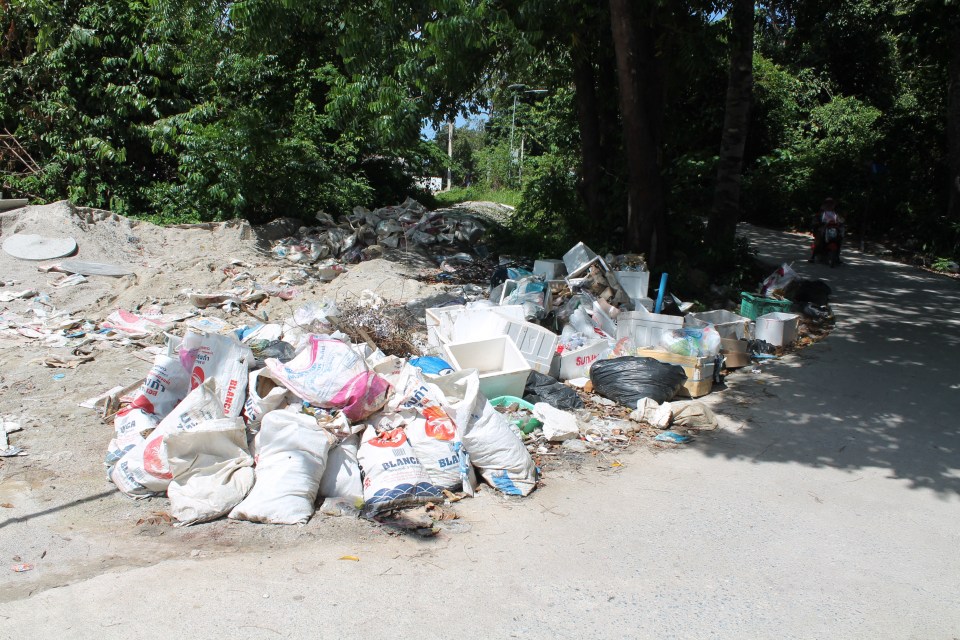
[(549, 269), (573, 276), (777, 328), (537, 344), (576, 364), (477, 323), (29, 246), (645, 328), (502, 368), (558, 425), (578, 257), (634, 283), (642, 303), (94, 268), (727, 323)]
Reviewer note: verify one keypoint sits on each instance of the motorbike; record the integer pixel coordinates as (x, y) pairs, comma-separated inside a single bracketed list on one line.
[(827, 239)]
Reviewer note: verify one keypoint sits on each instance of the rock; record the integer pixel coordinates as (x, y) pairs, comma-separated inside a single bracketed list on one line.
[(575, 446)]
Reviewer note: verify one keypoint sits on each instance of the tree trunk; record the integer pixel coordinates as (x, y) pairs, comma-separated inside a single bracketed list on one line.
[(725, 212), (953, 120), (588, 116), (646, 215)]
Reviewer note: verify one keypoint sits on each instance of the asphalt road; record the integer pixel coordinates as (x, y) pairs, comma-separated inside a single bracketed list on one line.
[(827, 506)]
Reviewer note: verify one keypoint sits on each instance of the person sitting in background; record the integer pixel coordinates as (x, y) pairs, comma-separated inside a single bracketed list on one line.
[(826, 215)]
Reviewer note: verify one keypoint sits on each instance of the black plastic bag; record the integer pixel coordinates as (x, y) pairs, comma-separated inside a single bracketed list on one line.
[(541, 388), (628, 379), (816, 292)]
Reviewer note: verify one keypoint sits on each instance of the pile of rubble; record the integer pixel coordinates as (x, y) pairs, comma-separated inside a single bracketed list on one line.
[(255, 416)]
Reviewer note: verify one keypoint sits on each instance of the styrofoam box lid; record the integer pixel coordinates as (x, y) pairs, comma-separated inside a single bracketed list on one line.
[(537, 344)]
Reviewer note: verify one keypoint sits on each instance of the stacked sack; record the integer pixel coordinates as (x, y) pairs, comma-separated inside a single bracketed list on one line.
[(336, 420)]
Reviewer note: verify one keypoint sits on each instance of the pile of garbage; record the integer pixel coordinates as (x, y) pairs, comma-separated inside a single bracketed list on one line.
[(366, 234), (587, 322), (256, 423)]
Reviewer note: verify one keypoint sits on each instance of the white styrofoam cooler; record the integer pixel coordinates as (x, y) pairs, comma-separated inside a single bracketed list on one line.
[(549, 269), (634, 283), (577, 363), (503, 369), (777, 328), (578, 257), (727, 323), (645, 328), (457, 323)]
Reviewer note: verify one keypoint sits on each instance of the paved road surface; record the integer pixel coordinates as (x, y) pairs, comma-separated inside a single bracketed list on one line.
[(828, 506)]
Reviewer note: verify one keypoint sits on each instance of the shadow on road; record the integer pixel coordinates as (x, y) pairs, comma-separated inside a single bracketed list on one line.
[(883, 390)]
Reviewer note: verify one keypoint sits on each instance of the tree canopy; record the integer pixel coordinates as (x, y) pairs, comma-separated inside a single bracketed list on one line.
[(623, 124)]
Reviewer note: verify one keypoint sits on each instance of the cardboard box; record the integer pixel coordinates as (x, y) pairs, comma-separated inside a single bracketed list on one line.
[(503, 369), (699, 371), (735, 352)]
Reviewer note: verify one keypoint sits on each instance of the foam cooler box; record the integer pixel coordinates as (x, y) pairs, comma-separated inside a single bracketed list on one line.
[(645, 328), (777, 328), (503, 369), (727, 323), (699, 371), (577, 363)]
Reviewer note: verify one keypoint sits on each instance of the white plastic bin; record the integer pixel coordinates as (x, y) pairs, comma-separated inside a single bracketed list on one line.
[(634, 283), (777, 328), (645, 328), (503, 369), (727, 323)]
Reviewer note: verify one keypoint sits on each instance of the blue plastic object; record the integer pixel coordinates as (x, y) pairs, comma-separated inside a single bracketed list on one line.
[(660, 293), (432, 365), (673, 436)]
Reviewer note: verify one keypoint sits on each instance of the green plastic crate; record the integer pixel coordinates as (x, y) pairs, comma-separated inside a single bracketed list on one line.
[(752, 305)]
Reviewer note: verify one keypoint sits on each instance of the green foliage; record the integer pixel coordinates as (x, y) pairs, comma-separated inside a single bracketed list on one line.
[(820, 148), (477, 194), (550, 217)]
